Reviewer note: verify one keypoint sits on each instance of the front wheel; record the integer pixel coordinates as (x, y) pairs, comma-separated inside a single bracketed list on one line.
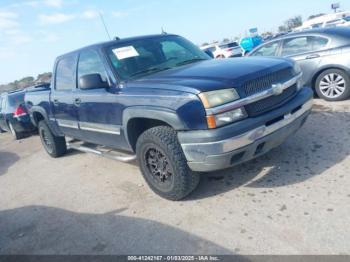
[(163, 164), (55, 146), (333, 85)]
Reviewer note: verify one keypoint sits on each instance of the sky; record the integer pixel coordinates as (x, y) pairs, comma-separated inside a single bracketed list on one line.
[(34, 32)]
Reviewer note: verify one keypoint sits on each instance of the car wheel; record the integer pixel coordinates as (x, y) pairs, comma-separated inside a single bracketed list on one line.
[(55, 146), (163, 164), (333, 85), (16, 135), (220, 57)]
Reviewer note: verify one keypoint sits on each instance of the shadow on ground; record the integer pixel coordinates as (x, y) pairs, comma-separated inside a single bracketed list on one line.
[(47, 230), (320, 144), (7, 159)]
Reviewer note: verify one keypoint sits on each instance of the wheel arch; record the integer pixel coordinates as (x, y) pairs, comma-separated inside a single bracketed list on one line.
[(37, 114), (136, 120), (325, 68)]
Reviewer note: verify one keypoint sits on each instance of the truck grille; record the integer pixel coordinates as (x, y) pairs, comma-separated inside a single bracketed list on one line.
[(270, 103), (263, 83)]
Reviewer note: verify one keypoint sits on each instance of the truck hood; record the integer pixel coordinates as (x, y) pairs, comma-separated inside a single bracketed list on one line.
[(213, 74)]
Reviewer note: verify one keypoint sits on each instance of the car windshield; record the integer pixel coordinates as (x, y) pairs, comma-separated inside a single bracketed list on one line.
[(142, 57)]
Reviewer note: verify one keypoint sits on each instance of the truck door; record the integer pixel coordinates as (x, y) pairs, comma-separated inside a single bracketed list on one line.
[(99, 109), (62, 95)]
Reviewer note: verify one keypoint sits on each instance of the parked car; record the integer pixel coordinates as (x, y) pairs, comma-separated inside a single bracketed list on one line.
[(322, 54), (14, 116), (224, 50), (327, 20), (170, 106)]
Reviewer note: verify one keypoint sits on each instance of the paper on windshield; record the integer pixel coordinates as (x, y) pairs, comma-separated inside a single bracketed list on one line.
[(125, 52)]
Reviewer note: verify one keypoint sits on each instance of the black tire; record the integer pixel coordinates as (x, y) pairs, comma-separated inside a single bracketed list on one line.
[(162, 141), (16, 135), (55, 146), (321, 87)]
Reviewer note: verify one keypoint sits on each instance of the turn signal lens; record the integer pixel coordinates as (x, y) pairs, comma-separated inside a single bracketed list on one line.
[(211, 121)]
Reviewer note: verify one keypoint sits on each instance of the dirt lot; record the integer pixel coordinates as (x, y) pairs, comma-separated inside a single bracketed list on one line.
[(294, 200)]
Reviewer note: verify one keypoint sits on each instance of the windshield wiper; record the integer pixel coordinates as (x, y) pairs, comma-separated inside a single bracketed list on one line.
[(190, 61), (149, 70)]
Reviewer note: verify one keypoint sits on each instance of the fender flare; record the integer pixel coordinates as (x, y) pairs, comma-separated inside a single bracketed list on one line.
[(51, 124), (155, 113), (37, 109)]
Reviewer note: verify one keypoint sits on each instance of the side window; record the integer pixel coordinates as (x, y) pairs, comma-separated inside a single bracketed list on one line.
[(91, 63), (303, 44), (267, 50), (317, 42), (65, 73)]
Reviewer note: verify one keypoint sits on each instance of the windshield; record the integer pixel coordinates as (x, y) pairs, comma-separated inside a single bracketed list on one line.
[(146, 56)]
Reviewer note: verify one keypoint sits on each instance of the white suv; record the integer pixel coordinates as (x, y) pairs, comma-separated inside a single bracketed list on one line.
[(224, 50)]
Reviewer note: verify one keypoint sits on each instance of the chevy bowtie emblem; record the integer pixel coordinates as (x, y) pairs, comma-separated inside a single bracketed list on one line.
[(277, 89)]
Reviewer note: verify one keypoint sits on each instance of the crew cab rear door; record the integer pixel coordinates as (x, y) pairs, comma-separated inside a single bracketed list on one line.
[(62, 95)]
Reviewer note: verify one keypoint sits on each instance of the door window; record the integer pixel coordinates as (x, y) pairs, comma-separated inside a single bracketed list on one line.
[(91, 63), (267, 50), (65, 73), (303, 44)]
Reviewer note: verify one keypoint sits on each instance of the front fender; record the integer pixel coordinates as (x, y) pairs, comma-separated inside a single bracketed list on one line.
[(155, 113)]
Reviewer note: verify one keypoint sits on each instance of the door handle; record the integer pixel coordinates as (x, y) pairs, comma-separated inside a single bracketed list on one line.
[(55, 101), (77, 101), (312, 56)]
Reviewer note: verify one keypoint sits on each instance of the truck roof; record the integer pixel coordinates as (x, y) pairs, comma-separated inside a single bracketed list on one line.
[(119, 41)]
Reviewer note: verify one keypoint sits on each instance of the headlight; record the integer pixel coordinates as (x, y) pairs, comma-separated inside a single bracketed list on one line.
[(296, 69), (218, 97), (230, 116)]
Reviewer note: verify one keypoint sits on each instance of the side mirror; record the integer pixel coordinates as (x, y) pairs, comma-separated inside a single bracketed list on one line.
[(209, 53), (92, 81)]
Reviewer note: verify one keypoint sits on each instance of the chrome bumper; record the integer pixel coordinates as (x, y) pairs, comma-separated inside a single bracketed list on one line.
[(201, 156)]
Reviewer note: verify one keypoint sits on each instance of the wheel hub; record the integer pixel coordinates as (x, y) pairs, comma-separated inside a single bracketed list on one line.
[(332, 85), (158, 165)]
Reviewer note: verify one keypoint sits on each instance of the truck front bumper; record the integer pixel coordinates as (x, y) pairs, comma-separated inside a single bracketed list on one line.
[(209, 150)]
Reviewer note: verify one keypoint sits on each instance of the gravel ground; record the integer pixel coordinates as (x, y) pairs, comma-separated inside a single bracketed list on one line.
[(293, 200)]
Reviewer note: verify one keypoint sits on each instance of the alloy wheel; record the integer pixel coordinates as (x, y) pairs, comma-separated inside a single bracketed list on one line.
[(159, 168), (332, 85)]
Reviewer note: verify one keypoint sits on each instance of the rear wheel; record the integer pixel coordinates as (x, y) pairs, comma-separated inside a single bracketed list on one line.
[(55, 146), (333, 85), (164, 165), (16, 135)]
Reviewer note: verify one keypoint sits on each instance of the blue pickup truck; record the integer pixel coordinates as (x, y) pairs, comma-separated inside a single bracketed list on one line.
[(161, 100)]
